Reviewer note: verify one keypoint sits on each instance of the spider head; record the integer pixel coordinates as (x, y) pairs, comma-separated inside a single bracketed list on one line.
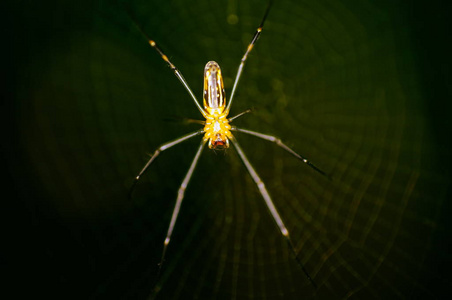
[(219, 142)]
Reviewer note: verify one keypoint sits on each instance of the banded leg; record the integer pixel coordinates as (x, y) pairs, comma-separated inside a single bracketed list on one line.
[(245, 56), (180, 197), (159, 150), (270, 206), (170, 64), (278, 142)]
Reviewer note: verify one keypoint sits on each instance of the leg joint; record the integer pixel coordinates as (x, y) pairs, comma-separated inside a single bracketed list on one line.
[(182, 188)]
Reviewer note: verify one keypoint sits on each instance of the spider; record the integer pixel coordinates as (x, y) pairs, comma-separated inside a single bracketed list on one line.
[(217, 133)]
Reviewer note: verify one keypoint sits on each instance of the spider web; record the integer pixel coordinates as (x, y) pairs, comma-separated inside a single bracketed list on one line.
[(338, 81)]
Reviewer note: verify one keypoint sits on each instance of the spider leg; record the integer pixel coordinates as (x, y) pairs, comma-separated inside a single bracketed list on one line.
[(176, 71), (245, 56), (158, 151), (271, 207), (185, 121), (278, 142), (239, 115), (180, 197), (193, 121)]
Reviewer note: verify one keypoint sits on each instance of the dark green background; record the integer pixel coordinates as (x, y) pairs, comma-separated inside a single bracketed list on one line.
[(362, 88)]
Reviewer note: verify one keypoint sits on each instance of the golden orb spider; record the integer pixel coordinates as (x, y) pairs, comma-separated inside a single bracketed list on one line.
[(217, 133)]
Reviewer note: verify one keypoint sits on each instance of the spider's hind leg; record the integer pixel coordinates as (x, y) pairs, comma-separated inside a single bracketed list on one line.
[(271, 207)]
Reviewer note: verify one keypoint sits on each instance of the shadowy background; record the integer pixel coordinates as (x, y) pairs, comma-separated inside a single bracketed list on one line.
[(362, 88)]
